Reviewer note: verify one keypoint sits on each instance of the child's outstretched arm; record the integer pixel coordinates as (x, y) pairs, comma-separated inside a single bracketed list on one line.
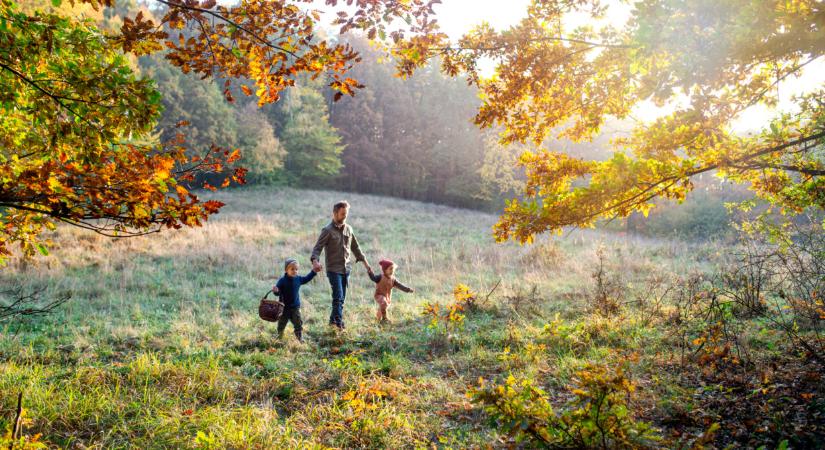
[(308, 277), (403, 288), (375, 278)]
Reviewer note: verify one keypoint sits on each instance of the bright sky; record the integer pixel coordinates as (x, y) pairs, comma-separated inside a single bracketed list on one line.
[(456, 17)]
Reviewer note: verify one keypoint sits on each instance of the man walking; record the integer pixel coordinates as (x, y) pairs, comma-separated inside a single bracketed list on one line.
[(338, 242)]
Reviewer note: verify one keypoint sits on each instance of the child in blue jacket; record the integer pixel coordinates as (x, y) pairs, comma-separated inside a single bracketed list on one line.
[(288, 289)]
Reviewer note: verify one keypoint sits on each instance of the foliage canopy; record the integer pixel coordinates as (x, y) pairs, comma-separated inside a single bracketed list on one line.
[(707, 61), (76, 120)]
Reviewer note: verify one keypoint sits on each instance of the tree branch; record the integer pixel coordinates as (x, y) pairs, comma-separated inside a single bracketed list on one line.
[(260, 39), (506, 45), (54, 97), (673, 179)]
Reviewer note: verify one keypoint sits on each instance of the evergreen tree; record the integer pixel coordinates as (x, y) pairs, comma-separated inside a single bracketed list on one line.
[(313, 146), (262, 152), (185, 97)]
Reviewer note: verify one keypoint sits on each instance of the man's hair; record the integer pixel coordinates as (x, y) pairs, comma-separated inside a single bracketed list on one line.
[(339, 205)]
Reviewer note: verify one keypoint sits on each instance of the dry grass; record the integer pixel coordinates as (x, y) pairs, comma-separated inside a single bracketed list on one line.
[(161, 339)]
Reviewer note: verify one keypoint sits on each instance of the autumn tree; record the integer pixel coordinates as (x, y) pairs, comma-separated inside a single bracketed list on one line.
[(707, 62), (76, 120)]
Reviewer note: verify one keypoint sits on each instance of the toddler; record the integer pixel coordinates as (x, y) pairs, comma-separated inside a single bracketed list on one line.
[(288, 289), (384, 284)]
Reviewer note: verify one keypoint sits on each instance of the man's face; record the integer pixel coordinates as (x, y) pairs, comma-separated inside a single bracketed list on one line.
[(340, 216), (292, 270)]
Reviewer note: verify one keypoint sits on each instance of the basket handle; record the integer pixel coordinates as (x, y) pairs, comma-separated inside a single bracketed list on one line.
[(266, 295)]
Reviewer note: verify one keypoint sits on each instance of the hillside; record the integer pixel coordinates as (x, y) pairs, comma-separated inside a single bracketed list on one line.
[(161, 346)]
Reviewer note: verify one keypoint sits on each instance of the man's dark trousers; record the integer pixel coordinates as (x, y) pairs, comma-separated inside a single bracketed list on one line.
[(338, 282)]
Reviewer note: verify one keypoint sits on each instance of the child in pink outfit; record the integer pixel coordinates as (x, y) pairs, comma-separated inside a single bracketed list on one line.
[(384, 284)]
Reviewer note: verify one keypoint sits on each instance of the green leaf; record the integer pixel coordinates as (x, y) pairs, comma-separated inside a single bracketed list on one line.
[(56, 3), (43, 250)]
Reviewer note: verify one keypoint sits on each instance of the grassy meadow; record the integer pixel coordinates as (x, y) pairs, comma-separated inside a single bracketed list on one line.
[(160, 345)]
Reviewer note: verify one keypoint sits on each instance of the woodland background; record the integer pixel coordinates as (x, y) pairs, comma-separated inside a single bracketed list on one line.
[(407, 138), (698, 324)]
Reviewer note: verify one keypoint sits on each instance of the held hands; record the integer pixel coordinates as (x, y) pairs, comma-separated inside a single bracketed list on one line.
[(316, 266)]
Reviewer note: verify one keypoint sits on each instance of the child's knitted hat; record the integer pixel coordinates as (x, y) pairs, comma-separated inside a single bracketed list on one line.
[(289, 262), (384, 263)]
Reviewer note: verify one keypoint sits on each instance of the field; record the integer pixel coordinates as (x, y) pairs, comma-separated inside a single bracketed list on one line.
[(160, 345)]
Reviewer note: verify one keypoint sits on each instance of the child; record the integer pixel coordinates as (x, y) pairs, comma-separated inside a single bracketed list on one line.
[(288, 290), (383, 288)]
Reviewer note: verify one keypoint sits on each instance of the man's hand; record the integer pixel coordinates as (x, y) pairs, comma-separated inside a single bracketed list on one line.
[(367, 266), (316, 266)]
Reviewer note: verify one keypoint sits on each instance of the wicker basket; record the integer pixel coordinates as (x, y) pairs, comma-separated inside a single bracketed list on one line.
[(270, 310)]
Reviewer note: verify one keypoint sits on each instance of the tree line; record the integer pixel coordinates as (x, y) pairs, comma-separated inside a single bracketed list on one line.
[(409, 138)]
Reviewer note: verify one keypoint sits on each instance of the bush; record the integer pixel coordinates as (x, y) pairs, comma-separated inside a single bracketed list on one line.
[(607, 292), (597, 416), (446, 321)]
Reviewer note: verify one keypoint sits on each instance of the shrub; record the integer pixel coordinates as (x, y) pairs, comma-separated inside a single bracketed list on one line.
[(607, 292), (596, 416), (464, 296), (449, 319)]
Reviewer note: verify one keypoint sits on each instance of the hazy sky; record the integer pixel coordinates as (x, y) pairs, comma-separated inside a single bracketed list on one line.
[(457, 17)]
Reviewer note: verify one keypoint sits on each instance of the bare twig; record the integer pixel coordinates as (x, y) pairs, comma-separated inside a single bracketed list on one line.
[(27, 304), (487, 297), (18, 421)]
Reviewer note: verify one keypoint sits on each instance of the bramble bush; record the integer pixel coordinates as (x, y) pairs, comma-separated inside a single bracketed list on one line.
[(596, 416)]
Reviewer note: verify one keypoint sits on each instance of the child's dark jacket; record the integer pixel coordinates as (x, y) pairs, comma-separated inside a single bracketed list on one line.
[(289, 289)]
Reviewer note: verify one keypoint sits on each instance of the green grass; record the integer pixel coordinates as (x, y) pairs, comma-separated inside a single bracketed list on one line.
[(160, 345)]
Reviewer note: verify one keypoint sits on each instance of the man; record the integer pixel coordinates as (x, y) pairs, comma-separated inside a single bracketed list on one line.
[(338, 241)]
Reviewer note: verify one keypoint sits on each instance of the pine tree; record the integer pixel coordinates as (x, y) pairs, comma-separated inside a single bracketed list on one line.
[(313, 146)]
